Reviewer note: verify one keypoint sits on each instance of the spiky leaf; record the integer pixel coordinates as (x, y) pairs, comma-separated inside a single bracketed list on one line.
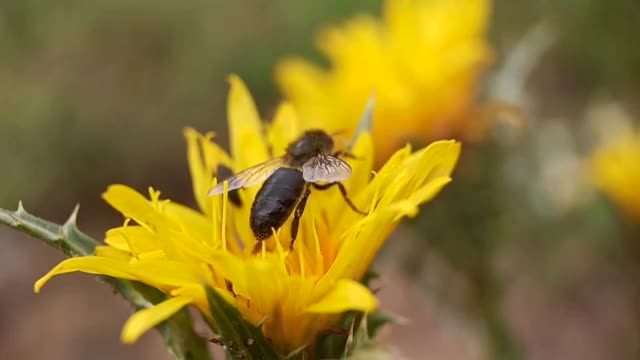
[(181, 341), (240, 339), (66, 238), (359, 329)]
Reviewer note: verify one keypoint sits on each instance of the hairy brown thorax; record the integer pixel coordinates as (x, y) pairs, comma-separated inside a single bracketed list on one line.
[(308, 145)]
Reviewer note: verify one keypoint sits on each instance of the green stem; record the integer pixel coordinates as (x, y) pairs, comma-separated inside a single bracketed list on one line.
[(501, 345)]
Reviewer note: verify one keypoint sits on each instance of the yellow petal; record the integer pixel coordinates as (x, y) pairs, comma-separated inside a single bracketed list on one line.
[(404, 183), (302, 80), (615, 171), (268, 284), (246, 139), (284, 129), (199, 297), (201, 176), (204, 158), (145, 319), (362, 166), (164, 273), (345, 295), (153, 255), (361, 243), (197, 225), (113, 253), (132, 205), (374, 190), (428, 191), (436, 160), (356, 186), (233, 269), (134, 239), (418, 96), (90, 265), (388, 172)]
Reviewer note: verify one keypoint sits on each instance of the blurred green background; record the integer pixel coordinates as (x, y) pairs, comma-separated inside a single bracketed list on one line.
[(95, 93)]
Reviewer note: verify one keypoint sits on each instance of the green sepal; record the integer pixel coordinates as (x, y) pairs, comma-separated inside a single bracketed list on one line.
[(361, 329), (333, 345), (239, 339), (368, 277), (376, 320), (297, 353), (181, 341)]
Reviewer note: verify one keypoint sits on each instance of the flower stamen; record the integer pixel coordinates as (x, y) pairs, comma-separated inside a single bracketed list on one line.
[(225, 201), (214, 216)]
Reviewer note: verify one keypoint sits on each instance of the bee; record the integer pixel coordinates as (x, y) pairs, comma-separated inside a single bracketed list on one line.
[(308, 161)]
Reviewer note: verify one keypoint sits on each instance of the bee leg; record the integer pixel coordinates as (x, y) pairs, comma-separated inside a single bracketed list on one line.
[(257, 248), (269, 150), (343, 191), (297, 215)]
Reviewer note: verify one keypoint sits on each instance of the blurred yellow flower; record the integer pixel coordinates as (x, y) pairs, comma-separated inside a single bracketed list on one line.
[(616, 168), (422, 61), (297, 293)]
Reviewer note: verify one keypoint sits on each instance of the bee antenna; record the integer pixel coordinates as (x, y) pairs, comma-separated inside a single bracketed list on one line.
[(341, 140)]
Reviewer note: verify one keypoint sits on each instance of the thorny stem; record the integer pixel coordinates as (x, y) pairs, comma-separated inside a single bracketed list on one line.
[(630, 253), (501, 345)]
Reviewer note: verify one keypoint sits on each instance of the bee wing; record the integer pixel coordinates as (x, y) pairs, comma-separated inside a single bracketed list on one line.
[(325, 168), (249, 177)]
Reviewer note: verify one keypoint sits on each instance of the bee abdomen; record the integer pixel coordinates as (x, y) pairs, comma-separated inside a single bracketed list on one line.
[(275, 201)]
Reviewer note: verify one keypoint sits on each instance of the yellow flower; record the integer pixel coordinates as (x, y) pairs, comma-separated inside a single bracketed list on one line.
[(422, 61), (299, 292), (617, 172)]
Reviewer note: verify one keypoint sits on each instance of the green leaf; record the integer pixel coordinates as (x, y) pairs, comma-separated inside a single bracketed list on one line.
[(240, 339), (181, 341)]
